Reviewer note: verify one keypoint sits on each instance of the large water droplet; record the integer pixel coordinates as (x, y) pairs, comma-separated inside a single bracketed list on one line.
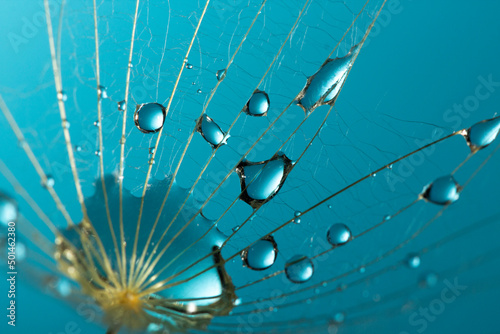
[(260, 181), (339, 234), (258, 105), (210, 131), (324, 86), (149, 117), (8, 209), (261, 255), (442, 191), (299, 269), (482, 133)]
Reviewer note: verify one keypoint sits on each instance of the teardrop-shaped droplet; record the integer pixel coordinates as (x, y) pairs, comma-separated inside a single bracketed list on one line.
[(261, 255), (101, 90), (444, 190), (260, 181), (258, 105), (339, 234), (324, 86), (8, 210), (210, 131), (483, 133), (122, 106), (299, 269), (221, 74), (413, 261), (149, 117)]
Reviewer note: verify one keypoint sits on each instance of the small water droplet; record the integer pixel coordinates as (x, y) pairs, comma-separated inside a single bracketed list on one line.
[(221, 74), (258, 105), (483, 133), (429, 280), (211, 131), (97, 153), (8, 209), (149, 117), (339, 234), (260, 181), (387, 217), (297, 213), (413, 261), (151, 150), (299, 269), (236, 228), (122, 106), (78, 148), (62, 96), (297, 220), (261, 255), (49, 182), (199, 91), (101, 90), (339, 317), (324, 86), (97, 123), (189, 66), (151, 161), (444, 190), (65, 124)]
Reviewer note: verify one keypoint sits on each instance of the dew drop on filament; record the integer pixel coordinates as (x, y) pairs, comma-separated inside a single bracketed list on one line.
[(8, 209), (260, 181), (149, 117), (339, 234), (210, 131), (299, 269), (258, 105), (482, 133), (324, 86), (261, 255), (444, 190)]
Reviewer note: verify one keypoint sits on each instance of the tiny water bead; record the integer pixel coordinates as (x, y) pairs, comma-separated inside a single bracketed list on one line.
[(258, 105), (483, 133), (62, 96), (149, 117), (210, 131), (429, 280), (444, 190), (122, 106), (299, 269), (221, 74), (260, 181), (8, 209), (324, 86), (413, 261), (49, 182), (189, 66), (339, 234), (199, 91), (103, 93), (261, 255)]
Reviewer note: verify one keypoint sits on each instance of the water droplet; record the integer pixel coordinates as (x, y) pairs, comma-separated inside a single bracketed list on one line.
[(122, 106), (339, 317), (444, 190), (387, 217), (65, 124), (297, 220), (189, 66), (97, 153), (260, 181), (210, 131), (429, 280), (103, 94), (324, 86), (62, 96), (339, 234), (482, 133), (78, 148), (221, 74), (258, 105), (49, 182), (236, 228), (149, 117), (199, 91), (151, 150), (297, 213), (261, 255), (151, 161), (8, 209), (413, 261), (299, 269), (97, 123)]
